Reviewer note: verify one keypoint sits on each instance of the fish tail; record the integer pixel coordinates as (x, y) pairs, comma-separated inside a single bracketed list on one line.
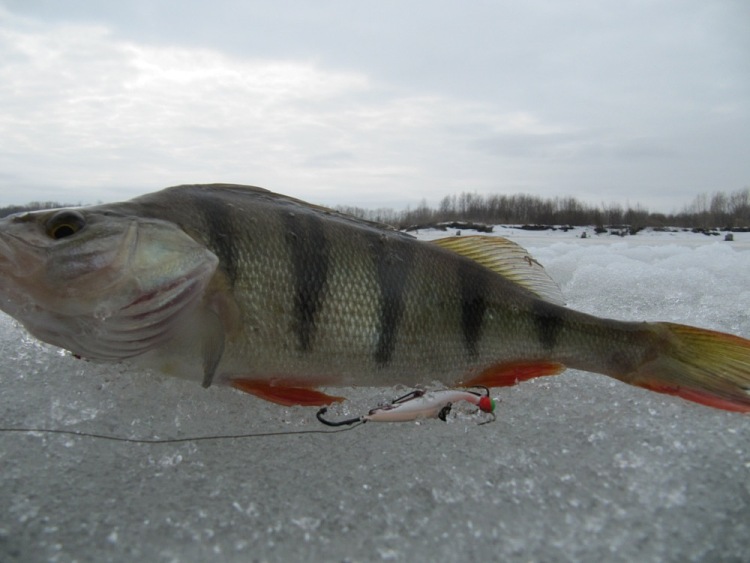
[(704, 366)]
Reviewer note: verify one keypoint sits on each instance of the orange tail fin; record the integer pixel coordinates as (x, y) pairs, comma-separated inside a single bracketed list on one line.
[(704, 366)]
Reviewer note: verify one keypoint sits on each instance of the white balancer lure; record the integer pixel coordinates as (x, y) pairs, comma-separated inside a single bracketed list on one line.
[(419, 404)]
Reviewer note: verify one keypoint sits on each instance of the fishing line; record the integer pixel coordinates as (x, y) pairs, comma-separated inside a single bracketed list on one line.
[(217, 437), (414, 405)]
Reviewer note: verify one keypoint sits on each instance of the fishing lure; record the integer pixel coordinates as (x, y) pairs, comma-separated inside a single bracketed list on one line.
[(420, 404), (415, 405)]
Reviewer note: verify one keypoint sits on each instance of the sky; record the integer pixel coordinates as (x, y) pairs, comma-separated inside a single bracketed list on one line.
[(376, 103)]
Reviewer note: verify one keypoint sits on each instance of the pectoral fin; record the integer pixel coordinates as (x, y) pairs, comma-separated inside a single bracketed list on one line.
[(213, 346), (284, 395)]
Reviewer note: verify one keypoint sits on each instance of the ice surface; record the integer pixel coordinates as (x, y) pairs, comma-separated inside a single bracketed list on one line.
[(576, 467)]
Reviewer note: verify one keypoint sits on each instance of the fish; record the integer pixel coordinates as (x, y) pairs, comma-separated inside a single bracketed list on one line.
[(236, 285)]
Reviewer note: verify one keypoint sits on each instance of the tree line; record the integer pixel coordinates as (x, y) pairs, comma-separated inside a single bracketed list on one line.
[(719, 210), (716, 211)]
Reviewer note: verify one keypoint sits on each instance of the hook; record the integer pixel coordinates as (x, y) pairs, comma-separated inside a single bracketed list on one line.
[(321, 412)]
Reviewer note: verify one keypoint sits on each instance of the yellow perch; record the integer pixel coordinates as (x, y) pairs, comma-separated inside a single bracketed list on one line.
[(234, 284)]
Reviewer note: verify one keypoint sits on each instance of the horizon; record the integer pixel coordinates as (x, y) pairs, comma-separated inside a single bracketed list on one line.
[(719, 207)]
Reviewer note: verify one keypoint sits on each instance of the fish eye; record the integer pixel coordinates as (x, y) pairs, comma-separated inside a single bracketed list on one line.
[(65, 224)]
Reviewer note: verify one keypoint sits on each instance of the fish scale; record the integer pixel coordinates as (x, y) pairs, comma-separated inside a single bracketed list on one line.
[(236, 285)]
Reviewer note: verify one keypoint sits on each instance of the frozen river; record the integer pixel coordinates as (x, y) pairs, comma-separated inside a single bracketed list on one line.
[(577, 467)]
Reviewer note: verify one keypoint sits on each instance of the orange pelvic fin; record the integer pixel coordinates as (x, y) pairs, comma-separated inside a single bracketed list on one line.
[(504, 375), (284, 395)]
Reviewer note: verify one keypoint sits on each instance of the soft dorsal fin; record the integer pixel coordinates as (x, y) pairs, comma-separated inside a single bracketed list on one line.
[(508, 259)]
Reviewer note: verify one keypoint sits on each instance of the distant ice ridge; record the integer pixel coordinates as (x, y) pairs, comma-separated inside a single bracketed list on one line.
[(577, 467)]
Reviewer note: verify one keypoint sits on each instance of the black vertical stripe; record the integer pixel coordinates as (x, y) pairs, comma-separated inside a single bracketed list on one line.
[(216, 214), (548, 322), (472, 280), (310, 258), (392, 264)]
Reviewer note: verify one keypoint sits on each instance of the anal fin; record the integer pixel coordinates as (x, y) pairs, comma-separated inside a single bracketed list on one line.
[(284, 395), (505, 375)]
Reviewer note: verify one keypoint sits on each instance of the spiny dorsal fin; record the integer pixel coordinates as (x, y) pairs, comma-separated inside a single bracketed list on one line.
[(508, 259)]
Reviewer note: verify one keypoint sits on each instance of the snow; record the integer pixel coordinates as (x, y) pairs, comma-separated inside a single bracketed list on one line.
[(576, 467)]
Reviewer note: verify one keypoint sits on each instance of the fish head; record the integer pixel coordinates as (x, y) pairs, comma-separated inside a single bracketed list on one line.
[(101, 283)]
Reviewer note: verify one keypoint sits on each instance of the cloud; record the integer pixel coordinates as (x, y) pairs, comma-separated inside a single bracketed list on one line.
[(82, 100), (101, 112), (135, 100)]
